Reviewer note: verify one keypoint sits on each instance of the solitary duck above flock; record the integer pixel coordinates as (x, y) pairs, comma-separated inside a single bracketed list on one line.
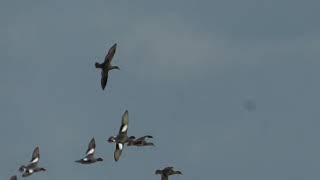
[(106, 66)]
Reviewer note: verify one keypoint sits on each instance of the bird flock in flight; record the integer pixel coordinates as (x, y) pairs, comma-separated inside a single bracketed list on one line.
[(120, 139)]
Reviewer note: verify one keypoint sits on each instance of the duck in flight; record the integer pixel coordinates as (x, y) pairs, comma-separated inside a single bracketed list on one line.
[(90, 158), (140, 141), (166, 172), (32, 167), (122, 137), (106, 66)]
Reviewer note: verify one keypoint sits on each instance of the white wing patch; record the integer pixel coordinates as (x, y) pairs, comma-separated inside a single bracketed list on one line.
[(120, 146), (85, 159), (91, 151), (35, 160), (124, 128), (30, 170)]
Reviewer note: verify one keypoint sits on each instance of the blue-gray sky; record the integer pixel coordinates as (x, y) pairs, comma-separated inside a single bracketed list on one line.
[(187, 68)]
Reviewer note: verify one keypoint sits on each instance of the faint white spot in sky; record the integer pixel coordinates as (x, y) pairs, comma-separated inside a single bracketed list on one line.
[(250, 105)]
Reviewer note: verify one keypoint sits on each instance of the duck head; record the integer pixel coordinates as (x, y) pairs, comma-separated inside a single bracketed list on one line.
[(112, 139), (158, 171), (98, 65), (22, 168), (99, 159)]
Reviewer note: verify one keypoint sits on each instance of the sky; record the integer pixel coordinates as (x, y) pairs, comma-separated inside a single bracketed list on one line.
[(187, 70)]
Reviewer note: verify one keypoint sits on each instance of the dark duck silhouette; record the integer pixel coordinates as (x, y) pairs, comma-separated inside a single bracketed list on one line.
[(122, 137), (166, 172), (140, 141), (13, 178), (90, 158), (106, 66), (32, 167)]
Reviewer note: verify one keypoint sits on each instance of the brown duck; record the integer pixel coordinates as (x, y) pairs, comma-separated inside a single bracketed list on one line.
[(106, 66), (166, 172), (140, 141)]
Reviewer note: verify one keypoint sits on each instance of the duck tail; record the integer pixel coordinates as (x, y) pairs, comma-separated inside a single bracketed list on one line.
[(150, 144), (42, 169)]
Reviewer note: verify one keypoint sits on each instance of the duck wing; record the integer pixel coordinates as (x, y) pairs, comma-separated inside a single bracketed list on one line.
[(35, 156), (118, 151), (104, 79), (110, 54), (169, 168), (124, 123), (164, 177), (91, 147), (143, 138)]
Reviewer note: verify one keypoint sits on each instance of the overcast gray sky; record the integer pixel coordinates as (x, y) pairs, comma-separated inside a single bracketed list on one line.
[(187, 69)]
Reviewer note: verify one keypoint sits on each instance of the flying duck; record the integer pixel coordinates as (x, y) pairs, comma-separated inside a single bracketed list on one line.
[(90, 158), (122, 136), (32, 167), (140, 141), (106, 66), (13, 178), (166, 172)]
